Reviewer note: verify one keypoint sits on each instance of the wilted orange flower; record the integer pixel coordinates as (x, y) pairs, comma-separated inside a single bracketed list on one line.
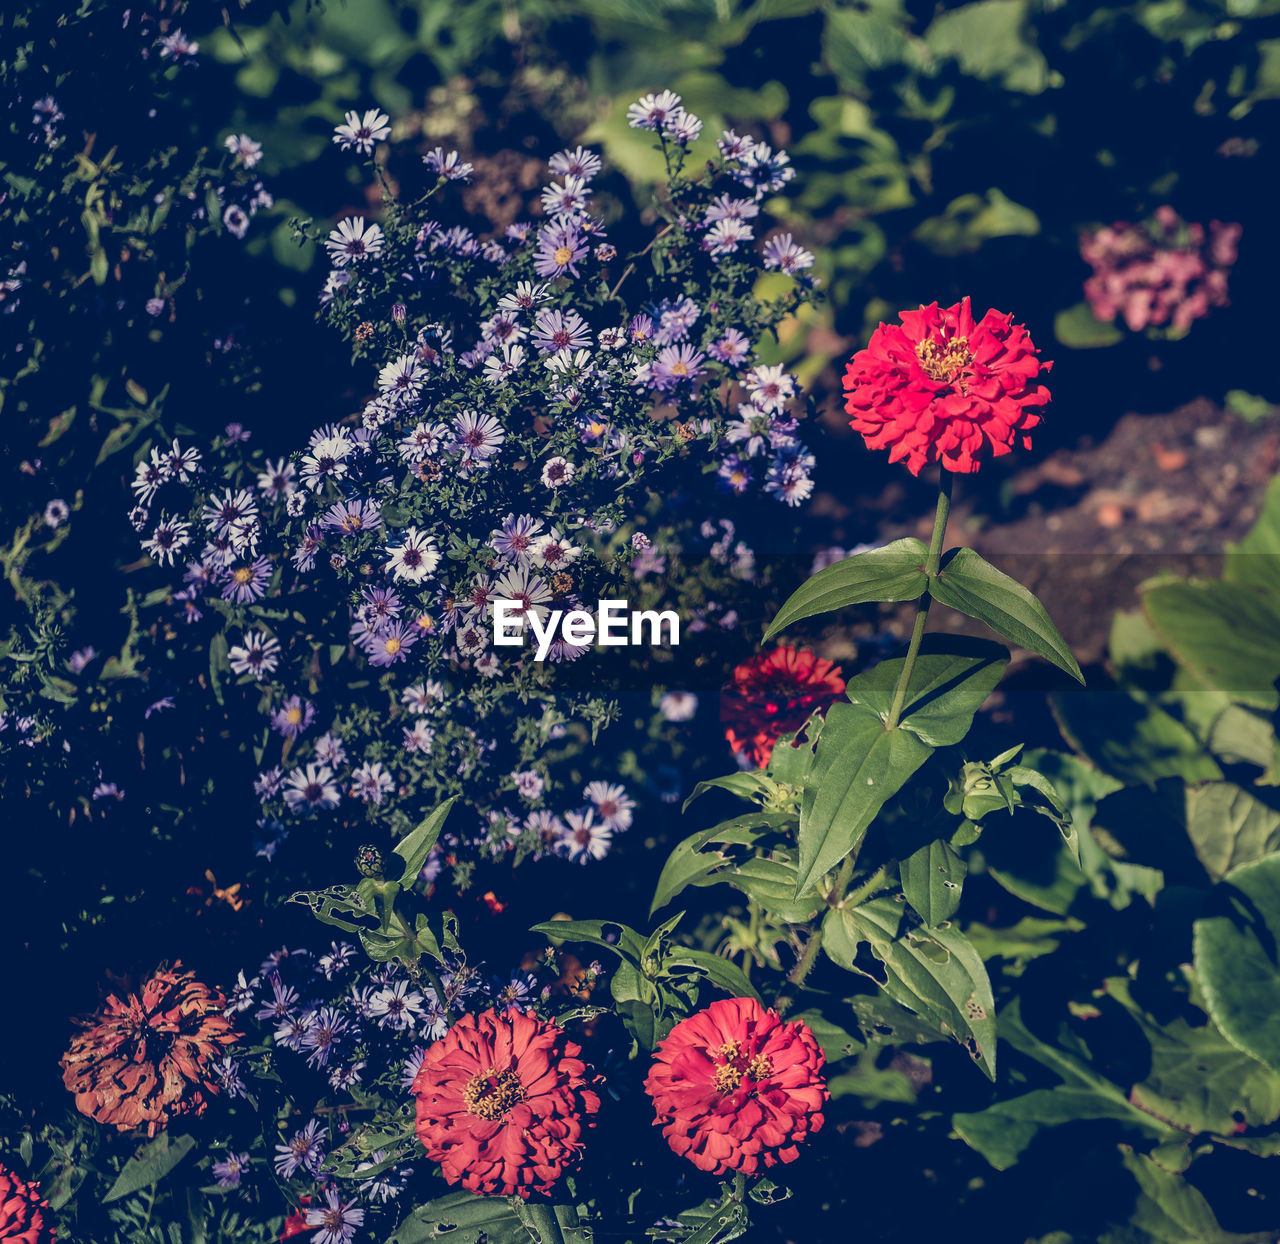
[(501, 1103), (148, 1060), (24, 1214), (736, 1089)]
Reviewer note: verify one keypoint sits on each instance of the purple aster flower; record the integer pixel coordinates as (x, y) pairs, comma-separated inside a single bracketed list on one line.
[(735, 473), (651, 111), (448, 164), (731, 349), (389, 645), (293, 717), (371, 782), (560, 248), (324, 1036), (247, 583), (338, 1219), (477, 438), (516, 537), (354, 517), (725, 236), (579, 163), (228, 1171), (310, 788), (781, 252), (304, 1151), (79, 659), (675, 365)]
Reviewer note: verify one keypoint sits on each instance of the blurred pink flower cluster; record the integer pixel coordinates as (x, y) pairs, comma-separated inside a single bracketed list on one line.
[(1163, 271)]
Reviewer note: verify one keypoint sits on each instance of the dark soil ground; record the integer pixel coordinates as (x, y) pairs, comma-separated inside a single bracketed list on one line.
[(1086, 524)]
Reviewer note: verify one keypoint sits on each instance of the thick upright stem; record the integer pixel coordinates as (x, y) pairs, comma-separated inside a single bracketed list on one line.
[(931, 564)]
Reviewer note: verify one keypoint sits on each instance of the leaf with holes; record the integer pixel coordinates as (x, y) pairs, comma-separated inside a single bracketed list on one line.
[(936, 973)]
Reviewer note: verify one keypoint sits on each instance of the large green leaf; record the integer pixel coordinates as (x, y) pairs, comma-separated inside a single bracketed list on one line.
[(931, 879), (1197, 1080), (1229, 827), (416, 845), (1131, 739), (991, 40), (859, 765), (463, 1218), (953, 675), (936, 973), (1255, 561), (892, 573), (1002, 1132), (1226, 634), (150, 1165), (1078, 328), (1169, 1210), (973, 586), (691, 864), (1237, 959)]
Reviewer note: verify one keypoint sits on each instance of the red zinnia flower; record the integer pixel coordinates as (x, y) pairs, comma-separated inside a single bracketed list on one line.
[(940, 388), (736, 1089), (148, 1060), (24, 1214), (501, 1103), (774, 694)]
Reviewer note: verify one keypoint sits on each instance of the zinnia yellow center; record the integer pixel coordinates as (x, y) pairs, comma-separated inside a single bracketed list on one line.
[(729, 1075), (491, 1094), (563, 255), (946, 361)]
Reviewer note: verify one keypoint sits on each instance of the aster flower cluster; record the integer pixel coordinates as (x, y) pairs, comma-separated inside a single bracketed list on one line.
[(1162, 273), (529, 394), (363, 1030)]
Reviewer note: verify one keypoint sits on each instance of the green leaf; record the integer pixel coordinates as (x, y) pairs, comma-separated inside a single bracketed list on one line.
[(627, 944), (858, 766), (1198, 1081), (990, 40), (744, 785), (973, 586), (1229, 827), (936, 973), (1002, 1132), (1168, 1210), (462, 1218), (721, 972), (1079, 329), (1256, 559), (1238, 963), (1227, 635), (892, 573), (932, 879), (416, 845), (689, 864), (952, 677), (1131, 739), (150, 1165)]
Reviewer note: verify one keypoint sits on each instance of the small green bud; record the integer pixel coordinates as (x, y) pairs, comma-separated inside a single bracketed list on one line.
[(369, 861)]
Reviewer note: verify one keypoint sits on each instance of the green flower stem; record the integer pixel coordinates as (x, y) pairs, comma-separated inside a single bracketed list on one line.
[(932, 562), (870, 886), (806, 961)]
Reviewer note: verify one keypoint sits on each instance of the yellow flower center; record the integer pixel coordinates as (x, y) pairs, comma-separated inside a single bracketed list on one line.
[(730, 1074), (293, 716), (563, 255), (945, 362), (242, 574), (391, 646), (491, 1094), (679, 369)]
